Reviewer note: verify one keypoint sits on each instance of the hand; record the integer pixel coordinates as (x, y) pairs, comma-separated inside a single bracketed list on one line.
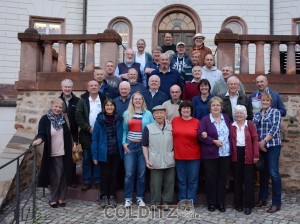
[(126, 149), (149, 164), (124, 76), (37, 141), (95, 162), (149, 70), (74, 149), (255, 160), (204, 134), (262, 146), (91, 130), (218, 143)]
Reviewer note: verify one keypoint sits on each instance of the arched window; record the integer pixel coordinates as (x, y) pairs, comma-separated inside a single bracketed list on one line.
[(123, 27), (238, 26)]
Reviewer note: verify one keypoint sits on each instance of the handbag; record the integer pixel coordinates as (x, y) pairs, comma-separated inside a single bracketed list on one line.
[(260, 163), (76, 155)]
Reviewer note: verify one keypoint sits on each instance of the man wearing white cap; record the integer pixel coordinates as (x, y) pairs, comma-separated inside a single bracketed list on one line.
[(199, 46), (182, 62)]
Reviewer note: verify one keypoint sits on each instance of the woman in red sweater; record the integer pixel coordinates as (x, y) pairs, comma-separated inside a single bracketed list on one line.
[(186, 151)]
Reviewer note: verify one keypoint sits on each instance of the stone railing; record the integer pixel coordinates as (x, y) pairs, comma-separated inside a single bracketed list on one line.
[(41, 67)]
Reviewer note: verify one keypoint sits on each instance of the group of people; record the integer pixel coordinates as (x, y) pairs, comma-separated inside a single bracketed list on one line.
[(171, 115)]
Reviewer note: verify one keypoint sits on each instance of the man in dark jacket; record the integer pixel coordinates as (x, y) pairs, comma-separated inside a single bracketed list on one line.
[(70, 101), (88, 107), (104, 88)]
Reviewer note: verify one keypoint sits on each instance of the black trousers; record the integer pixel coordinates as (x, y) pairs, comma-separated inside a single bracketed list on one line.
[(109, 175), (216, 174), (243, 181)]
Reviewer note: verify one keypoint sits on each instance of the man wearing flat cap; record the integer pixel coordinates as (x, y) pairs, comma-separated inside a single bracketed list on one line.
[(158, 151), (182, 62), (200, 48)]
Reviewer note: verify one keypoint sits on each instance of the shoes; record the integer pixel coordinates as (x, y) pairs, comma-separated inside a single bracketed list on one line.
[(211, 208), (221, 208), (261, 203), (61, 203), (247, 211), (140, 202), (165, 207), (128, 203), (104, 201), (273, 209), (112, 201), (239, 209), (53, 204), (86, 187)]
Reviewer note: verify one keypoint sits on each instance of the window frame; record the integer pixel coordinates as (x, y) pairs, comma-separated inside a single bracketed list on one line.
[(33, 19)]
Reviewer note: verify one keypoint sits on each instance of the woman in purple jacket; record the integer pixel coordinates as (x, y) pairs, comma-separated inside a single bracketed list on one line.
[(214, 134)]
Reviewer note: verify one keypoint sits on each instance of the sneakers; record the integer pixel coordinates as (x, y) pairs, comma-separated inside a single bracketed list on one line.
[(112, 201), (140, 202), (128, 203), (104, 202)]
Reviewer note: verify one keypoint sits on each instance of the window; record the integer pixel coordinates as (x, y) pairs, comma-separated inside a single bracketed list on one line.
[(124, 28), (46, 25), (238, 26)]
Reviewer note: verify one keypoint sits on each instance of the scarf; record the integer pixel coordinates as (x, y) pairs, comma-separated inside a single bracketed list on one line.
[(56, 120)]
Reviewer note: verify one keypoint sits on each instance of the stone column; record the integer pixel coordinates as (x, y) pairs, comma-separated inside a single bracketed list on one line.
[(90, 56), (76, 56), (275, 58), (291, 60), (29, 55), (47, 61), (244, 61), (260, 60), (62, 58)]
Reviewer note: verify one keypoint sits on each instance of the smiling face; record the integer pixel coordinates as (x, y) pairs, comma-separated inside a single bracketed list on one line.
[(154, 82), (168, 39), (197, 72), (266, 103), (186, 112), (198, 41), (239, 115), (156, 54), (129, 56), (261, 83), (141, 46), (132, 75), (124, 89), (180, 49), (57, 107), (109, 108), (204, 89), (93, 87), (233, 85), (66, 89), (137, 100), (226, 72), (215, 107), (164, 61)]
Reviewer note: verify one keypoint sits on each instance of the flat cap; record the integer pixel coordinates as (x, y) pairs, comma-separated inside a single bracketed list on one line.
[(158, 107)]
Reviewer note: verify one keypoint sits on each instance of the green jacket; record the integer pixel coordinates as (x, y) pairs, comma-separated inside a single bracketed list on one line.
[(82, 118)]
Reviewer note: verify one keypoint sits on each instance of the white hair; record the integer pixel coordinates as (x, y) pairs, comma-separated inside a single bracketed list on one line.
[(67, 82), (241, 108)]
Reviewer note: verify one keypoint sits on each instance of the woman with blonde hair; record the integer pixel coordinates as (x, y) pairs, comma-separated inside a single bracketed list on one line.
[(136, 117)]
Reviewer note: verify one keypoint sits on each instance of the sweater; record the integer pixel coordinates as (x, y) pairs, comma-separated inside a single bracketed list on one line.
[(186, 145), (158, 99)]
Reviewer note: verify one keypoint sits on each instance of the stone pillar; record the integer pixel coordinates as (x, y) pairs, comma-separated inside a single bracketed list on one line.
[(62, 58), (76, 56), (275, 58), (29, 55), (291, 60), (47, 61), (90, 56), (260, 60), (244, 60), (226, 40)]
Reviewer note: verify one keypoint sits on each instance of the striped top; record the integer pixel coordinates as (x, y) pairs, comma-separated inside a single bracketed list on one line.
[(135, 127)]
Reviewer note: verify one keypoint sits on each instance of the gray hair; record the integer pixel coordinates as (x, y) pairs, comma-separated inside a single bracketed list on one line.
[(66, 82), (241, 108), (232, 78), (197, 66)]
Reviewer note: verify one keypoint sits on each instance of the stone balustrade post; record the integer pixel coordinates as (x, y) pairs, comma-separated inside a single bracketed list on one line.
[(291, 60), (62, 56), (90, 56), (260, 60), (244, 59), (76, 56), (47, 60), (275, 58)]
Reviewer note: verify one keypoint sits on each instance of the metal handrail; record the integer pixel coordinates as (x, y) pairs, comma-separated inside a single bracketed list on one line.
[(16, 206)]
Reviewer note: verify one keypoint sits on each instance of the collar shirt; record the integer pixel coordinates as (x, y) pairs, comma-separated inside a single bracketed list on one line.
[(95, 109), (153, 92), (240, 133), (233, 101)]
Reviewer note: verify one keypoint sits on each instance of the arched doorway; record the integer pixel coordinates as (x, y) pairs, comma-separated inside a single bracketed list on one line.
[(182, 21)]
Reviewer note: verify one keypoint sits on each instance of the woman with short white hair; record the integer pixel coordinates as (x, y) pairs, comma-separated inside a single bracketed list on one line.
[(245, 153)]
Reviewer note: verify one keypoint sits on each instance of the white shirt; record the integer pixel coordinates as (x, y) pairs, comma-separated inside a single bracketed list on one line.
[(240, 133), (95, 109), (141, 59), (233, 101)]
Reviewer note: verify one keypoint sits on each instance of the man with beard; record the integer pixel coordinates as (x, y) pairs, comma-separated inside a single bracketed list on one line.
[(200, 48)]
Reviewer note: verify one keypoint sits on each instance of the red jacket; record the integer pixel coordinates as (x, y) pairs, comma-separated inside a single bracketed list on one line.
[(251, 143)]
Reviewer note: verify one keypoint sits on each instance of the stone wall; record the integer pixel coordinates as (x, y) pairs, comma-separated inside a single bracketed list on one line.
[(32, 105)]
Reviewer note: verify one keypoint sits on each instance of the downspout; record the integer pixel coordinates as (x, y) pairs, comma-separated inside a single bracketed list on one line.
[(84, 23), (271, 17)]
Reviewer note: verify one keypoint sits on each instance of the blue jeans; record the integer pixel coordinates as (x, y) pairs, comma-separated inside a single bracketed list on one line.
[(188, 176), (90, 172), (134, 161), (271, 168)]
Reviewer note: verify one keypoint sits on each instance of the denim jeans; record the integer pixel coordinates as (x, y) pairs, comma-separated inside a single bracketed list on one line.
[(271, 168), (188, 175), (90, 172), (134, 162)]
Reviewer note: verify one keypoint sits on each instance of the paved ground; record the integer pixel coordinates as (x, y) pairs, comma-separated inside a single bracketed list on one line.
[(90, 212)]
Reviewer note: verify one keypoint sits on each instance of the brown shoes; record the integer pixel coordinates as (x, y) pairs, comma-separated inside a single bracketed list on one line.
[(273, 209), (261, 203)]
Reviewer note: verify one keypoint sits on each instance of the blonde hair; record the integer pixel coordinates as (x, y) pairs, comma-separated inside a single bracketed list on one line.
[(131, 110), (215, 98)]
